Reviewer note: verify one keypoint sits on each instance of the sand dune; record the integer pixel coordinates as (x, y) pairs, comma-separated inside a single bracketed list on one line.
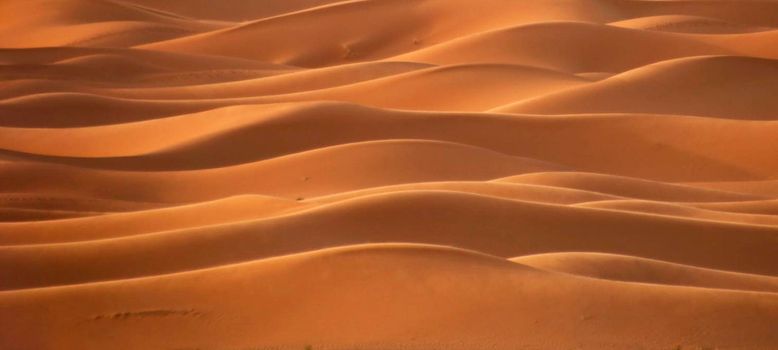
[(627, 187), (681, 210), (231, 10), (252, 133), (81, 203), (632, 269), (483, 87), (577, 47), (449, 218), (35, 71), (90, 23), (688, 24), (765, 187), (442, 284), (245, 208), (755, 13), (752, 207), (388, 174), (299, 175), (272, 84), (398, 28), (688, 86)]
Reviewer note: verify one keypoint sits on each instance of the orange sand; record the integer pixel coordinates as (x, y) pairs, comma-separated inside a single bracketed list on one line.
[(388, 174)]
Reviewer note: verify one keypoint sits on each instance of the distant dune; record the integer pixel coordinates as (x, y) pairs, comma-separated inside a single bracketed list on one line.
[(388, 174)]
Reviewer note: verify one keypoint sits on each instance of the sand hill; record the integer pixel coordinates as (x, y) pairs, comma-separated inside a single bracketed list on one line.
[(388, 174)]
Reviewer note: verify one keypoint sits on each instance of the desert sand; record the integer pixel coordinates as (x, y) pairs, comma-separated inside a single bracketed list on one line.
[(388, 174)]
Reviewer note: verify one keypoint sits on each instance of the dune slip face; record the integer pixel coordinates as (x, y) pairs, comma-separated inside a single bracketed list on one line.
[(388, 174)]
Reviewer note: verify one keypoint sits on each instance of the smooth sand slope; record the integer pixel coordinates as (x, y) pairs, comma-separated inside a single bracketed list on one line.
[(388, 174)]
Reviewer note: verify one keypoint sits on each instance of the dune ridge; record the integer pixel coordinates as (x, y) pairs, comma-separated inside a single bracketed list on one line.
[(388, 174)]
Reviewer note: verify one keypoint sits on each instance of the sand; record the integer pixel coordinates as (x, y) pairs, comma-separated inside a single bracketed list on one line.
[(388, 174)]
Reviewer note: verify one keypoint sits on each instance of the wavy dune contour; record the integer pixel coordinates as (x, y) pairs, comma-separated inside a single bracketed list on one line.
[(388, 174)]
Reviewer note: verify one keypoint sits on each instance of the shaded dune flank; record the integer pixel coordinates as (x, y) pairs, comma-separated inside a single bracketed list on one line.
[(388, 174)]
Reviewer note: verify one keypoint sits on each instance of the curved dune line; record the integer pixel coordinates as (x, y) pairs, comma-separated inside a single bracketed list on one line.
[(74, 69), (764, 187), (702, 81), (634, 269), (763, 207), (443, 284), (672, 209), (577, 47), (251, 133), (689, 24), (244, 208), (77, 203), (269, 85), (59, 23), (507, 83), (337, 45), (515, 228), (106, 57), (228, 210), (232, 10), (388, 174), (28, 214), (300, 175), (629, 187)]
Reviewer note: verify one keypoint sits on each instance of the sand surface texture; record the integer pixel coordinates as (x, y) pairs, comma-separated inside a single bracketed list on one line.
[(388, 174)]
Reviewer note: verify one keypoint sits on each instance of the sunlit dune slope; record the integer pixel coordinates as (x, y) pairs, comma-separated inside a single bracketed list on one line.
[(388, 174)]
